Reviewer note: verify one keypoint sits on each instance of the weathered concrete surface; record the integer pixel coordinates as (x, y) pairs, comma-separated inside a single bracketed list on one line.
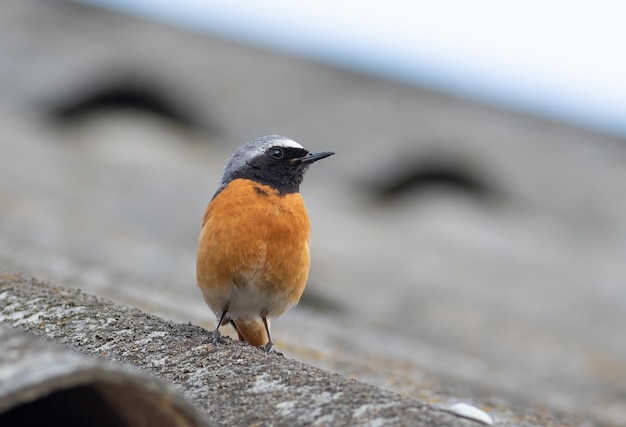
[(43, 383), (458, 250), (232, 383)]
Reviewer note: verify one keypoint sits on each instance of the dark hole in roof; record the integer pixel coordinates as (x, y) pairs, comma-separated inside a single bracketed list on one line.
[(73, 407), (432, 175), (124, 94)]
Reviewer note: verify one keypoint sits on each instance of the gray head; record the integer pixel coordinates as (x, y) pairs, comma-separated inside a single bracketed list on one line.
[(271, 160)]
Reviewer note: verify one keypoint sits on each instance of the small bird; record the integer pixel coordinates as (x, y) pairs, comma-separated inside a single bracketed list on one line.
[(253, 251)]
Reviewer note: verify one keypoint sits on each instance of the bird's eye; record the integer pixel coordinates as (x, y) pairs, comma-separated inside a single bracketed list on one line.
[(276, 153)]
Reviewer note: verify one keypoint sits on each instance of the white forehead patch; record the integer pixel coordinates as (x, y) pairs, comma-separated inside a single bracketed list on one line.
[(286, 143), (259, 146)]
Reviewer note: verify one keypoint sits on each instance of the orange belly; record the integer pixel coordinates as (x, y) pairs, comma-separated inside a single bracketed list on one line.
[(253, 252)]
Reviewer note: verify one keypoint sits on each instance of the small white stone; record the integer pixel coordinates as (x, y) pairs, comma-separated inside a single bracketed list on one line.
[(471, 412)]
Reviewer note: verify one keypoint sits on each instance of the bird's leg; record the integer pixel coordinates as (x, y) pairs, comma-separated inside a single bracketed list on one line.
[(269, 347), (217, 337)]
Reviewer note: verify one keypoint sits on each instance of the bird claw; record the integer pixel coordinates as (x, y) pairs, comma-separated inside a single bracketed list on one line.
[(269, 348), (217, 338)]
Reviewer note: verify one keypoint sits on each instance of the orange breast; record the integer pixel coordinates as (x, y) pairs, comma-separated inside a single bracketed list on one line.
[(253, 237)]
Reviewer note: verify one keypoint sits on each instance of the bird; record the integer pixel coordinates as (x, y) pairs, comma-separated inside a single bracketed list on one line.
[(253, 257)]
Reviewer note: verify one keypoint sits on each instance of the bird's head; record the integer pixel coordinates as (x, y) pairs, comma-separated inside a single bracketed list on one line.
[(271, 160)]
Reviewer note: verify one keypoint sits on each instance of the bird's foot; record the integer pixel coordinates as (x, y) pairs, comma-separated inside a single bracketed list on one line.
[(217, 338), (269, 347)]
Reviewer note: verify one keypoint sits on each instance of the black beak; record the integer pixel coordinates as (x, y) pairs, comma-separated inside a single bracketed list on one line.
[(314, 157)]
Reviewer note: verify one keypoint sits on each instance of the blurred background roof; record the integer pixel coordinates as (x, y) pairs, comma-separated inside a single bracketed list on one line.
[(560, 59)]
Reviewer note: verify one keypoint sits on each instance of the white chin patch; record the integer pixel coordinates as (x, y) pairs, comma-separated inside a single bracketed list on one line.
[(287, 143)]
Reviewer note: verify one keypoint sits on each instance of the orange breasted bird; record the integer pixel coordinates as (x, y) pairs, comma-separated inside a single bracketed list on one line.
[(253, 251)]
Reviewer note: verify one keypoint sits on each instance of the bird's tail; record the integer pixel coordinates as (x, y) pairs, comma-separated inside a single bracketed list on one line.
[(252, 331)]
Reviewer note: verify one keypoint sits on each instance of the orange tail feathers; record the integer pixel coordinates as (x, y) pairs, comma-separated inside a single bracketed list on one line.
[(252, 331)]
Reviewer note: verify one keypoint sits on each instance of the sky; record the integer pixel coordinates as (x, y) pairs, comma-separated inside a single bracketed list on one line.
[(554, 58)]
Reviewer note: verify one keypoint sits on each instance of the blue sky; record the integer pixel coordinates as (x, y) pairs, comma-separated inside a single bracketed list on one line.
[(555, 58)]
